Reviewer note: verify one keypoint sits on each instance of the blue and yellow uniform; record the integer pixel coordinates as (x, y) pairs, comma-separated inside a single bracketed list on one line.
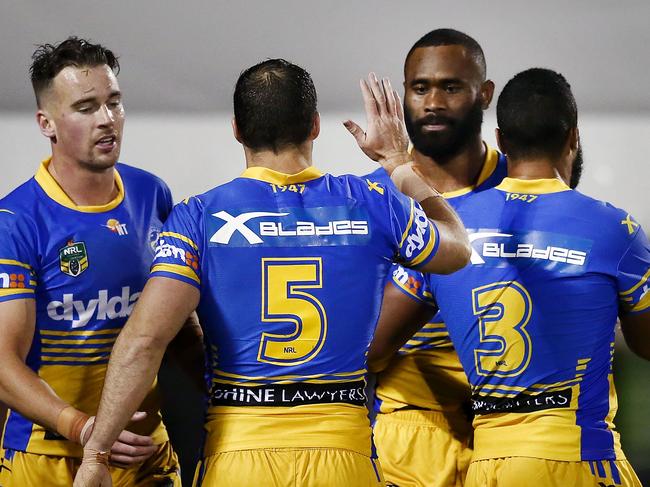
[(291, 271), (533, 319), (84, 267), (422, 430)]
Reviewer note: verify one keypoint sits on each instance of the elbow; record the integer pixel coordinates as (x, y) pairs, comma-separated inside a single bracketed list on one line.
[(457, 259)]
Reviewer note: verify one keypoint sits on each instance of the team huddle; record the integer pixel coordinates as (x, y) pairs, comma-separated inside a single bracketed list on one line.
[(478, 285)]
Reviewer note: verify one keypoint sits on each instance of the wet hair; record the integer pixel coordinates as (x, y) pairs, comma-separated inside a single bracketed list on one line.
[(48, 60), (535, 112), (275, 105), (451, 37)]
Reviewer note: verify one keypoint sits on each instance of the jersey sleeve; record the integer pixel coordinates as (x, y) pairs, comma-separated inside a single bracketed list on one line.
[(414, 284), (416, 237), (633, 275), (17, 259), (178, 253)]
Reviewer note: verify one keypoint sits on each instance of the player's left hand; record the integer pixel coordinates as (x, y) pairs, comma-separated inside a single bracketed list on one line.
[(385, 140), (92, 475)]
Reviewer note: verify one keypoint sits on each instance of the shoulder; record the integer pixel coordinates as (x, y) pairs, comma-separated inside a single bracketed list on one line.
[(136, 176), (20, 205)]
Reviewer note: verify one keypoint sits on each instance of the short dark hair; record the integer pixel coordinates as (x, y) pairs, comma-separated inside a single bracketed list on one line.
[(48, 60), (275, 105), (452, 37), (535, 112)]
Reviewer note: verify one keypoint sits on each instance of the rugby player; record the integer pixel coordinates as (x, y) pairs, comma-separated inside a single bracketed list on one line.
[(76, 242), (422, 429), (533, 316), (285, 266)]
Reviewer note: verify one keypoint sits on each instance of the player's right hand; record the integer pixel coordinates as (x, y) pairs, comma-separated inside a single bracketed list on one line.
[(385, 140), (129, 448)]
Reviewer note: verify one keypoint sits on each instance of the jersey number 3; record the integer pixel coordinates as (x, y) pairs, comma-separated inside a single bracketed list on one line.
[(284, 300), (503, 310)]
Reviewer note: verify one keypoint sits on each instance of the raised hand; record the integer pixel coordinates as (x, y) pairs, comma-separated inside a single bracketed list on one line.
[(385, 140)]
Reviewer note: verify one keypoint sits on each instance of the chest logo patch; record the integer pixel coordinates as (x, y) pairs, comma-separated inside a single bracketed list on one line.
[(73, 258)]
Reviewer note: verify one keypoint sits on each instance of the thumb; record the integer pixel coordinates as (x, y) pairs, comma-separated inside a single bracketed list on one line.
[(356, 131), (138, 416)]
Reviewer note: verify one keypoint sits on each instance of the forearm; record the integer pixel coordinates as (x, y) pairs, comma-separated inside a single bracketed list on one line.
[(133, 366), (163, 307), (454, 249), (22, 390)]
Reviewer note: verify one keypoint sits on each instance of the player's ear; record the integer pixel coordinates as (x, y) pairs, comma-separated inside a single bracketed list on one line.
[(235, 130), (315, 128), (499, 137), (46, 124), (487, 92), (574, 138)]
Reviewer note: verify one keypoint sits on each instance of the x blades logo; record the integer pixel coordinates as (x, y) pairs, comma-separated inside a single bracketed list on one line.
[(238, 224)]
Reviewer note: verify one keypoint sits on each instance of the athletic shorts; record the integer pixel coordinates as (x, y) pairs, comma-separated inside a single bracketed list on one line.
[(288, 467), (423, 448), (518, 471), (20, 469)]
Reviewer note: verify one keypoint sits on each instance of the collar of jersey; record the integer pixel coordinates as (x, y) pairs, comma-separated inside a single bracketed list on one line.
[(489, 165), (281, 179), (532, 186), (54, 191)]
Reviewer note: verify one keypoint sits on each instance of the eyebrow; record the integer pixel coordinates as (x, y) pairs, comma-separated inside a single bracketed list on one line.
[(90, 99)]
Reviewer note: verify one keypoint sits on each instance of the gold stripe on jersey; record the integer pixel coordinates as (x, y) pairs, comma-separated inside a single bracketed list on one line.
[(15, 262), (81, 333), (409, 224), (281, 179), (106, 348), (637, 285), (289, 377), (54, 191), (86, 360), (180, 237), (92, 340), (426, 252), (20, 290), (177, 269), (489, 165)]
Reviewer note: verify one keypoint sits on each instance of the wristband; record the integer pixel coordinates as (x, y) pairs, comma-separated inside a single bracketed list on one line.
[(70, 423), (409, 183)]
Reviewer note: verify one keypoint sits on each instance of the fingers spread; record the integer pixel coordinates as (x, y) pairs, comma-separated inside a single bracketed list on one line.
[(369, 102), (378, 93)]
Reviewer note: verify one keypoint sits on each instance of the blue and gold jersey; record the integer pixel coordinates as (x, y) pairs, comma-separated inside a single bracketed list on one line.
[(291, 271), (85, 267), (533, 317), (426, 372)]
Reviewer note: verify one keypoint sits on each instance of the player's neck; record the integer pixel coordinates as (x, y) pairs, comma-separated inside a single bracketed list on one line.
[(457, 172), (532, 169), (82, 185), (290, 160)]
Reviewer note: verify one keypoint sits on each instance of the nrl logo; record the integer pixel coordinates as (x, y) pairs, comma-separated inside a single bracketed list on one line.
[(73, 258)]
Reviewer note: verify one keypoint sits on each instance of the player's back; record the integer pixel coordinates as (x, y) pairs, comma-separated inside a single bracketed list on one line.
[(291, 271), (533, 318)]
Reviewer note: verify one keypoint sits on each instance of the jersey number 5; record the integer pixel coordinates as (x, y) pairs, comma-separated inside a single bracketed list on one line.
[(284, 300), (503, 310)]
